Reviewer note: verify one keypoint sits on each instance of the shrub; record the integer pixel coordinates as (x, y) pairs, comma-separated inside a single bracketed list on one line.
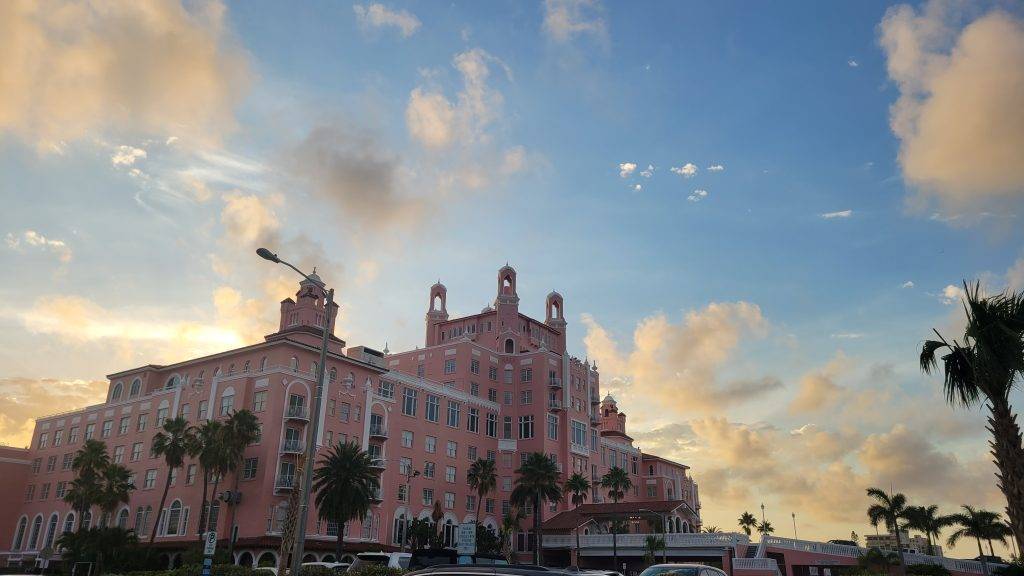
[(316, 571), (376, 570), (927, 570)]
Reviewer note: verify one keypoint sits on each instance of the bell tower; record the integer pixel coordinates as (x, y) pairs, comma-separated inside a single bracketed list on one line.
[(555, 317), (506, 304), (438, 312)]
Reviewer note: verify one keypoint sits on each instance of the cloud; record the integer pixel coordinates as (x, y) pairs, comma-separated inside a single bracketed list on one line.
[(907, 284), (818, 390), (378, 15), (1015, 275), (33, 239), (697, 195), (951, 295), (847, 335), (637, 187), (687, 170), (716, 168), (22, 400), (852, 63), (668, 358), (648, 172), (839, 214), (566, 19), (958, 116), (126, 155), (626, 168), (72, 70)]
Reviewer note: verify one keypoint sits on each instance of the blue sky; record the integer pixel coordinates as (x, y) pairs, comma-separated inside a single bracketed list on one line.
[(796, 222)]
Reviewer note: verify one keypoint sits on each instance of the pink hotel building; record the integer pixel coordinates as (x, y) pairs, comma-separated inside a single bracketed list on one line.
[(497, 385)]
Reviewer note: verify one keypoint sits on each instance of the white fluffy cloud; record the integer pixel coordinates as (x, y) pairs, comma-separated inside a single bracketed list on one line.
[(958, 116), (839, 214), (626, 169), (126, 155), (33, 239), (73, 69), (697, 195), (687, 170), (567, 19), (716, 168), (378, 15)]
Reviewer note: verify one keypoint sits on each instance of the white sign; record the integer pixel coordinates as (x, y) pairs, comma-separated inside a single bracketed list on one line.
[(209, 543), (467, 538)]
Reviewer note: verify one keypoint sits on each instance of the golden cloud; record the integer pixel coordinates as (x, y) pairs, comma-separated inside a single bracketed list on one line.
[(818, 390), (22, 400), (69, 69)]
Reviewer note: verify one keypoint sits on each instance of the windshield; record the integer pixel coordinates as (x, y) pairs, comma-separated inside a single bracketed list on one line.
[(666, 570)]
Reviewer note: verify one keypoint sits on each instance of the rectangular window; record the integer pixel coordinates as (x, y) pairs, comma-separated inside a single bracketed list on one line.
[(473, 420), (526, 427), (403, 492), (58, 437), (552, 427), (68, 461), (505, 508), (204, 410), (51, 463), (30, 492), (492, 424), (579, 433), (136, 451), (186, 411), (227, 404), (492, 373), (36, 465), (107, 426), (433, 408), (259, 401), (491, 454), (492, 394), (506, 427), (454, 410), (428, 496), (474, 366), (508, 375), (419, 371), (59, 492), (161, 416), (406, 439), (449, 500), (344, 409), (73, 435), (428, 469), (190, 475), (471, 453), (474, 389), (449, 474), (249, 470), (508, 398), (90, 430), (471, 502), (526, 397), (45, 492), (405, 465), (150, 480), (141, 422), (449, 366), (409, 401), (489, 505), (118, 454), (453, 449), (332, 407), (526, 374), (431, 444)]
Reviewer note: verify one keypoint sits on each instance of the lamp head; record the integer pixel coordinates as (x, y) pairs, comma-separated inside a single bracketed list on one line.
[(267, 255)]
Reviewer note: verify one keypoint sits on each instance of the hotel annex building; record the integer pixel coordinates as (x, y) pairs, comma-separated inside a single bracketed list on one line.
[(498, 385)]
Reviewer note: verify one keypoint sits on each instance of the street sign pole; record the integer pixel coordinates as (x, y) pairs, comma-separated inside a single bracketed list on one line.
[(467, 538), (209, 547)]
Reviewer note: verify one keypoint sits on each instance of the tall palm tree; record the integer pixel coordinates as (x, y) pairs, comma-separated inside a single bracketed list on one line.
[(482, 477), (175, 441), (345, 484), (983, 368), (928, 521), (764, 528), (616, 481), (652, 544), (747, 522), (579, 487), (975, 524), (890, 509), (89, 462), (509, 524), (115, 489), (210, 448), (241, 429), (538, 482)]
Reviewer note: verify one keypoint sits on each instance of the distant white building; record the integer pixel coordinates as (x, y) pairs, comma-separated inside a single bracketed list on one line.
[(914, 545)]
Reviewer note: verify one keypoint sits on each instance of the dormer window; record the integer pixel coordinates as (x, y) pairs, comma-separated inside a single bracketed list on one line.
[(116, 394)]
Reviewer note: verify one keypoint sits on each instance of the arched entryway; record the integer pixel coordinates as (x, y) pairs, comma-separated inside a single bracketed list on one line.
[(245, 559), (267, 559)]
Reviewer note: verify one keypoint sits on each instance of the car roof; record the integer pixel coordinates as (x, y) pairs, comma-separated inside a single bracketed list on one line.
[(488, 569)]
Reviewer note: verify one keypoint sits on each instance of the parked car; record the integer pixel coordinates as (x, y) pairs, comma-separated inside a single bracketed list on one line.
[(426, 557), (682, 570), (335, 567), (389, 559), (486, 570)]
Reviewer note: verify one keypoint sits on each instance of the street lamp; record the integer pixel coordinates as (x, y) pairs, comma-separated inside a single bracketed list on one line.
[(313, 429), (409, 475), (664, 535)]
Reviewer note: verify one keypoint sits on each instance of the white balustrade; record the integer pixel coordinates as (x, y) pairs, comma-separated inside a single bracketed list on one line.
[(672, 540), (768, 564)]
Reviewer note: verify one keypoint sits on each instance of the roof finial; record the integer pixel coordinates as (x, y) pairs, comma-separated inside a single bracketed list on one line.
[(386, 351)]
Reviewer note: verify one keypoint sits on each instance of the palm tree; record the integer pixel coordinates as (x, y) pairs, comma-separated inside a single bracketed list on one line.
[(210, 451), (241, 429), (578, 486), (345, 483), (975, 524), (927, 520), (89, 462), (890, 509), (509, 524), (538, 482), (115, 489), (983, 368), (616, 481), (747, 522), (174, 442), (651, 546), (482, 477), (765, 528)]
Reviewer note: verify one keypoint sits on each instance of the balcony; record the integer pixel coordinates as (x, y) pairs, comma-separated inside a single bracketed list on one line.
[(594, 399), (293, 447), (296, 413), (555, 382), (378, 433), (377, 497), (378, 463), (595, 419), (555, 405), (284, 482)]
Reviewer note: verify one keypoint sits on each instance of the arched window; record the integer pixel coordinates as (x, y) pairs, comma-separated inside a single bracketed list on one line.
[(245, 367), (51, 530), (33, 536), (172, 382), (122, 519), (334, 374), (135, 389), (69, 523), (398, 530), (263, 364), (510, 346), (267, 559), (231, 369), (19, 533), (87, 520), (118, 390), (216, 371), (200, 375), (245, 559), (173, 518)]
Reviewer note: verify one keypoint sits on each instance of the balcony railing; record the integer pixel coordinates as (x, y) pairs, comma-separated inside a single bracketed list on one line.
[(595, 419), (378, 432), (378, 463), (555, 382), (293, 447), (624, 541), (554, 404), (284, 481), (296, 413), (759, 564)]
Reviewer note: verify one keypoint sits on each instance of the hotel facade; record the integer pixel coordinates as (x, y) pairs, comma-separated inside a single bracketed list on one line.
[(496, 385)]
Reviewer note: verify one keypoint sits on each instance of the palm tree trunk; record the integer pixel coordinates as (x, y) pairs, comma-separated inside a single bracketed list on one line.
[(160, 510), (615, 547), (984, 563), (577, 546), (339, 542), (931, 550), (213, 498), (202, 508), (991, 551), (479, 503), (536, 531), (1008, 452), (899, 546)]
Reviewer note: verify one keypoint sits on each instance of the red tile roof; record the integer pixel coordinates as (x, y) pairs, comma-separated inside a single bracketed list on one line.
[(572, 519)]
